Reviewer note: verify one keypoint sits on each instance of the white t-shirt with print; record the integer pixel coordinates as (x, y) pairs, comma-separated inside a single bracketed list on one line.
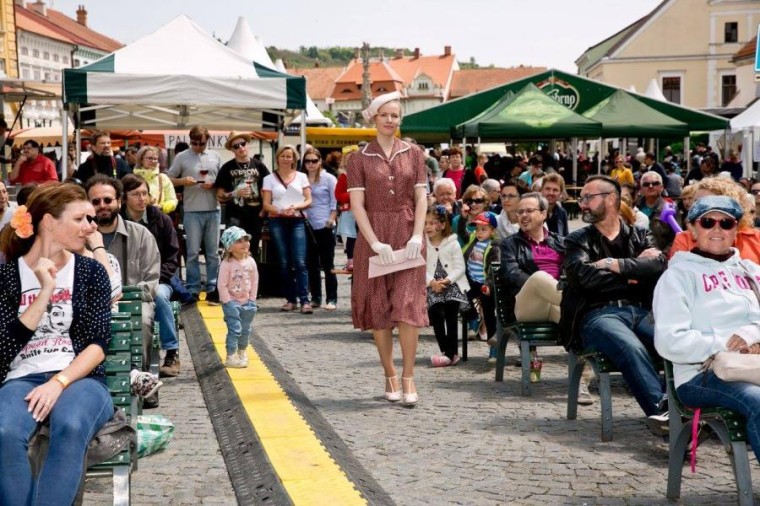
[(50, 348)]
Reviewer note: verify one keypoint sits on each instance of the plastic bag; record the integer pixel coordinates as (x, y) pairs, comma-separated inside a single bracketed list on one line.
[(154, 432)]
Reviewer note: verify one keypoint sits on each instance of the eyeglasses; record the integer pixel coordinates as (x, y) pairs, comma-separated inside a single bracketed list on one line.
[(509, 196), (198, 143), (469, 202), (585, 199), (649, 184), (239, 145), (709, 223), (755, 192), (90, 219), (106, 200), (150, 158), (521, 212), (311, 160)]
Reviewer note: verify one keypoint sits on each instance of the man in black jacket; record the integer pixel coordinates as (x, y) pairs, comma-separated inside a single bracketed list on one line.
[(611, 271), (138, 208), (101, 161)]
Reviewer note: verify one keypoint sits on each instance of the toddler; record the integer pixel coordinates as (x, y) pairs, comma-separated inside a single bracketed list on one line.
[(238, 283)]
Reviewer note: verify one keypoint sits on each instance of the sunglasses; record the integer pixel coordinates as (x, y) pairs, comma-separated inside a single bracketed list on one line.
[(239, 145), (198, 143), (755, 192), (709, 223), (106, 200), (311, 160), (90, 219), (650, 184), (475, 201)]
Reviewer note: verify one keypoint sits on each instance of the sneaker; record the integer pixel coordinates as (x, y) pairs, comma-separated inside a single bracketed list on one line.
[(288, 306), (492, 341), (144, 384), (492, 355), (190, 300), (151, 402), (584, 396), (243, 356), (659, 424), (484, 338), (212, 297), (455, 359), (233, 361), (170, 369), (307, 309), (330, 306), (440, 361)]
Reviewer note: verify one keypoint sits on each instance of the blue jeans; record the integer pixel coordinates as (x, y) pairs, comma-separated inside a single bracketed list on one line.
[(289, 236), (164, 315), (709, 391), (81, 410), (239, 319), (626, 336), (202, 226)]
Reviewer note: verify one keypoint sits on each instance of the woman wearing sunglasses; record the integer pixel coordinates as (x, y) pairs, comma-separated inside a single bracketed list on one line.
[(747, 239), (474, 201), (238, 185), (705, 303)]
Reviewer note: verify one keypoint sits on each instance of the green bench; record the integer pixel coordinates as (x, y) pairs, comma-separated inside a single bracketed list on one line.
[(728, 425)]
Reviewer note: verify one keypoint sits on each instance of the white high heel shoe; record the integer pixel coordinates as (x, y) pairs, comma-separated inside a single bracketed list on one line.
[(409, 399), (393, 395)]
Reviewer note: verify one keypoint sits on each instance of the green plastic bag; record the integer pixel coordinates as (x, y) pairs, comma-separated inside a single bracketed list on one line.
[(153, 434)]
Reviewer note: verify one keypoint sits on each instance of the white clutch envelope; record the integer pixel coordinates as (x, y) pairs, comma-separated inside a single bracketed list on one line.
[(400, 263)]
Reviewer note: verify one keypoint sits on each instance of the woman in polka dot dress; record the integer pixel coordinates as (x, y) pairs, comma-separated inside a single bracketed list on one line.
[(387, 181)]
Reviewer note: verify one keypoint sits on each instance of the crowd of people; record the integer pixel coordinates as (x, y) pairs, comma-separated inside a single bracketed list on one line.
[(421, 230)]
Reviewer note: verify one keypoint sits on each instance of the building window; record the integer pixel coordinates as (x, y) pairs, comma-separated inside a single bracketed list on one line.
[(55, 58), (47, 76), (66, 60), (76, 63), (45, 55), (36, 53), (731, 32), (24, 51), (24, 73), (36, 75), (728, 89), (423, 86), (671, 88)]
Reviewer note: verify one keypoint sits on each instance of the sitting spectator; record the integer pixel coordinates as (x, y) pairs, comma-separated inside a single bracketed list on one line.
[(32, 166), (611, 271), (651, 204), (160, 186), (130, 156), (137, 209), (628, 197), (683, 206), (506, 221), (445, 194), (492, 188), (534, 172), (552, 189), (747, 237), (696, 317), (474, 201), (101, 161), (54, 341), (673, 181), (7, 207)]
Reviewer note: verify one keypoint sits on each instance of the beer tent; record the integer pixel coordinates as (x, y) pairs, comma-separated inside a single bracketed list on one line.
[(621, 115), (529, 114)]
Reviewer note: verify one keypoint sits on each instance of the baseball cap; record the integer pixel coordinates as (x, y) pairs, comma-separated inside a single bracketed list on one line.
[(485, 218), (719, 203)]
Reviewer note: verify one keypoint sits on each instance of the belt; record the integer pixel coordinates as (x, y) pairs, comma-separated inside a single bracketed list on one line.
[(616, 303)]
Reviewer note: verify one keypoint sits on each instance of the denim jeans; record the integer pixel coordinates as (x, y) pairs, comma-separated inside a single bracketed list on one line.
[(164, 315), (709, 391), (239, 319), (289, 236), (81, 410), (322, 256), (202, 227), (626, 336)]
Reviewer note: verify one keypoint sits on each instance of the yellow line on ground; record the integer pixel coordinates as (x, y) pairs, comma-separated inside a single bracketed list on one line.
[(306, 469)]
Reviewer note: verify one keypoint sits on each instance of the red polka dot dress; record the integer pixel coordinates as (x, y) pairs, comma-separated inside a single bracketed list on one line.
[(388, 184)]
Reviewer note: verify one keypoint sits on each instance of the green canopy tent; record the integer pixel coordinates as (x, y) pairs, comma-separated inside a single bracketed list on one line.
[(530, 114), (621, 115)]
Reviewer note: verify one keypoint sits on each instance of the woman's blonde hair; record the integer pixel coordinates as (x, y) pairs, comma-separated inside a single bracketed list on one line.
[(472, 190), (729, 188), (314, 151), (143, 151), (282, 150)]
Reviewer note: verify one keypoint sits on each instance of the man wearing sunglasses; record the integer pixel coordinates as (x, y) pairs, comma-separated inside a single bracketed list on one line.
[(651, 202), (101, 161), (611, 271), (196, 169)]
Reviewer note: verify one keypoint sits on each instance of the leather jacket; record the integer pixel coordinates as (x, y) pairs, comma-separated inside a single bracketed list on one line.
[(517, 262), (662, 234), (586, 283)]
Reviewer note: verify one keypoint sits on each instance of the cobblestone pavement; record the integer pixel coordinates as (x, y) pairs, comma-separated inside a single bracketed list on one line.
[(472, 440), (191, 470)]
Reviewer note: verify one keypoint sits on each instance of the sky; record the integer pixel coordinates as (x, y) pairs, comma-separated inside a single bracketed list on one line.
[(505, 33)]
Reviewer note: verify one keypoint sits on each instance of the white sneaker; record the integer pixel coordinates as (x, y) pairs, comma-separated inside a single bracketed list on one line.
[(243, 356), (584, 396), (233, 362)]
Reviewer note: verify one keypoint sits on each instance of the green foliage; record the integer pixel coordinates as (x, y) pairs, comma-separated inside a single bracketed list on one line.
[(335, 56)]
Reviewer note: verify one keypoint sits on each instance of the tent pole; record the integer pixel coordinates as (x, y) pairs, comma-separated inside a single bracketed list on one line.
[(725, 143), (65, 143), (686, 156), (78, 133), (599, 157), (303, 134), (573, 148)]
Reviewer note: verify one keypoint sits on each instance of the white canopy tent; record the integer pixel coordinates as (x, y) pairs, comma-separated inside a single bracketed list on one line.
[(747, 122), (176, 77), (653, 91)]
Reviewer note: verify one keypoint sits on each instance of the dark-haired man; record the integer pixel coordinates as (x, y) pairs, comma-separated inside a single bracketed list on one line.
[(611, 273), (102, 160), (32, 166)]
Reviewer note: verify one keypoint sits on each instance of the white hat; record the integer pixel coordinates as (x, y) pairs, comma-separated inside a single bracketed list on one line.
[(378, 102)]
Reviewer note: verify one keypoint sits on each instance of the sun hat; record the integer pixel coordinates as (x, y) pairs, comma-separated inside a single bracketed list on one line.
[(232, 235), (236, 135), (718, 203), (485, 218), (379, 101)]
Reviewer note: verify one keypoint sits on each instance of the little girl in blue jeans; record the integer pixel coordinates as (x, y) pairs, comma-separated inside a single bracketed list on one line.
[(237, 284)]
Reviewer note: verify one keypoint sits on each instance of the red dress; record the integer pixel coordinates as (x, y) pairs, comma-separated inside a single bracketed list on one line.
[(388, 184)]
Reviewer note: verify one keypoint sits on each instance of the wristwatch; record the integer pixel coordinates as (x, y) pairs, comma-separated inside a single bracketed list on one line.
[(608, 263)]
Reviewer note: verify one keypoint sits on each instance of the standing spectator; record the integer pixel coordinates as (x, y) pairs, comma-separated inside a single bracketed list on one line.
[(673, 181), (480, 169), (622, 172), (706, 168), (32, 166), (552, 189), (651, 164), (51, 368), (286, 194), (432, 166), (321, 215), (388, 184), (101, 160), (455, 172), (130, 156), (346, 221), (733, 166), (160, 186), (196, 169), (534, 172), (239, 186)]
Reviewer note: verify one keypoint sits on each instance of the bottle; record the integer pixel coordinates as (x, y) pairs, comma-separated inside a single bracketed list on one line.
[(535, 367)]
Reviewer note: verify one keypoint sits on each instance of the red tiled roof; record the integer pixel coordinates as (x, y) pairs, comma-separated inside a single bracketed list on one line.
[(438, 68), (58, 26), (468, 81), (747, 51), (378, 71), (319, 81)]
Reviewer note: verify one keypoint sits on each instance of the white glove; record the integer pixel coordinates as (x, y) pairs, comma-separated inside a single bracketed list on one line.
[(384, 251), (414, 247)]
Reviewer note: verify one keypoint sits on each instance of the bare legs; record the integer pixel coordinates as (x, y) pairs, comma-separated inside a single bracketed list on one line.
[(407, 337)]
